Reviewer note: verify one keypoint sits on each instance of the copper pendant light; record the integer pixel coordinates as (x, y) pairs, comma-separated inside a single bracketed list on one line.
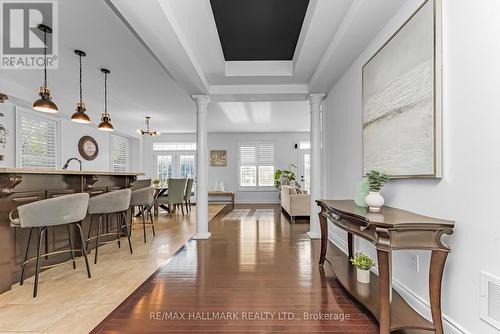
[(44, 103), (105, 124), (80, 116)]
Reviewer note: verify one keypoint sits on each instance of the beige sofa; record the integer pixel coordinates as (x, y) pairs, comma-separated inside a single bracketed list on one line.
[(293, 203)]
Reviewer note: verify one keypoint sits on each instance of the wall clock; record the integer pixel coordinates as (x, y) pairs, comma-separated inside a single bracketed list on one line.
[(88, 148)]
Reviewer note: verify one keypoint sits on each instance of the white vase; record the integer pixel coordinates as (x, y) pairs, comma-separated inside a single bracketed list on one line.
[(363, 276), (375, 201)]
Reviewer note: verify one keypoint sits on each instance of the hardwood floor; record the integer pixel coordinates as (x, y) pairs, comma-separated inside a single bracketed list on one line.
[(257, 273), (69, 302)]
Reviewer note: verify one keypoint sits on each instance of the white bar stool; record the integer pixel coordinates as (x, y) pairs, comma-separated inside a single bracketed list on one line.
[(115, 202), (144, 199), (63, 210)]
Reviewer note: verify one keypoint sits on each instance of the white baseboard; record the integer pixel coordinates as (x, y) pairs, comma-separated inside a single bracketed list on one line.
[(415, 301), (202, 236)]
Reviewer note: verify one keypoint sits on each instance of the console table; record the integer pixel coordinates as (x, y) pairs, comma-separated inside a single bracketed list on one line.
[(391, 229), (227, 194)]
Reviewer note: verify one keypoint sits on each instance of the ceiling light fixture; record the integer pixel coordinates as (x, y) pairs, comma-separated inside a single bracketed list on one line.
[(80, 116), (105, 124), (44, 103), (148, 131)]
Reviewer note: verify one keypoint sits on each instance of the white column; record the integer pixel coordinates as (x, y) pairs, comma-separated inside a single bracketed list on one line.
[(315, 101), (201, 167)]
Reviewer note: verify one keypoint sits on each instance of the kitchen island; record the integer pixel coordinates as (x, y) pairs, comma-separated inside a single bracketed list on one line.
[(22, 186)]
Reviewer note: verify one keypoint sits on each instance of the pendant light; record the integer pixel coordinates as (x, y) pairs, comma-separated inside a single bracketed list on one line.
[(44, 103), (105, 124), (80, 116), (148, 131)]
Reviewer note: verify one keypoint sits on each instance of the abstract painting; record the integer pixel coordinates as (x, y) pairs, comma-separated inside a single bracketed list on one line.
[(402, 100), (218, 158)]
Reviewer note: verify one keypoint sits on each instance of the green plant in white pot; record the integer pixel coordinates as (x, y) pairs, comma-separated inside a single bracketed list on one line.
[(374, 199), (363, 264)]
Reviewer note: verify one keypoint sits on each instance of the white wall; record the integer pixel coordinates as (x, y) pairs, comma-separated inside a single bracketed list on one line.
[(468, 192), (70, 134), (285, 154)]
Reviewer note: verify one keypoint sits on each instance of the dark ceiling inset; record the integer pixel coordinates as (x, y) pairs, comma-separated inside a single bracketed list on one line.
[(259, 29)]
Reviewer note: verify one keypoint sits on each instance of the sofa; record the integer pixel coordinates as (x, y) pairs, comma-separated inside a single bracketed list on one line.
[(295, 202)]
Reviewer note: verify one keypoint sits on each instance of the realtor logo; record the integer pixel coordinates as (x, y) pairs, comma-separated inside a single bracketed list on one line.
[(22, 43)]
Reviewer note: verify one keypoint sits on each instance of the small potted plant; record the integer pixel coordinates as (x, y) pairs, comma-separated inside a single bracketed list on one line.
[(363, 264), (156, 182), (376, 181)]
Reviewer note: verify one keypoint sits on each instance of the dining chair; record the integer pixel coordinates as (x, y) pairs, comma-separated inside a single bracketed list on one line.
[(188, 193), (176, 193), (140, 184)]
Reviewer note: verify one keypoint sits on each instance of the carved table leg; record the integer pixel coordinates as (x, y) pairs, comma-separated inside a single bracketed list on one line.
[(324, 238), (438, 260), (385, 289), (350, 244)]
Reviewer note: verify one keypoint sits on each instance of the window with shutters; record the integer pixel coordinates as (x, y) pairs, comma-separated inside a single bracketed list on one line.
[(119, 154), (256, 165), (37, 141)]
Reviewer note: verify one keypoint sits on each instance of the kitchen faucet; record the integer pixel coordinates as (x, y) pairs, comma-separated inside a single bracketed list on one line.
[(69, 160)]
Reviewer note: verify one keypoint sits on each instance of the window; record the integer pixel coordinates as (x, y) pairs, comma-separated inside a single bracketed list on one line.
[(174, 160), (186, 163), (119, 154), (37, 139), (164, 167), (257, 165), (174, 146), (305, 145)]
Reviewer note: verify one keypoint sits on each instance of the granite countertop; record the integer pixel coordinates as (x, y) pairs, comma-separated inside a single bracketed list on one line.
[(64, 172)]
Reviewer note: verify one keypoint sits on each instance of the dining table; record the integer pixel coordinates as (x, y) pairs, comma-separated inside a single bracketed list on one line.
[(160, 191)]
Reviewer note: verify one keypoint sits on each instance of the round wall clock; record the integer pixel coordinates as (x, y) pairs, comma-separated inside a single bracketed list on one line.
[(88, 148)]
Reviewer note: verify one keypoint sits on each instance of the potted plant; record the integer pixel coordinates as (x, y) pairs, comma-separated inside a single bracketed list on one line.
[(363, 264), (284, 176), (376, 181), (156, 182)]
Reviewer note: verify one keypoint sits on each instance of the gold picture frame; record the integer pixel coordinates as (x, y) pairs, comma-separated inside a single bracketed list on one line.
[(218, 158)]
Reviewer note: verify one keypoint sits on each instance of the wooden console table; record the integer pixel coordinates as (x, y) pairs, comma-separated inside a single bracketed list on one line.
[(228, 194), (391, 229)]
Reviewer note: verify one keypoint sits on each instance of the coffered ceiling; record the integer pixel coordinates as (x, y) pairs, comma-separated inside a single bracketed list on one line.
[(259, 29), (160, 52)]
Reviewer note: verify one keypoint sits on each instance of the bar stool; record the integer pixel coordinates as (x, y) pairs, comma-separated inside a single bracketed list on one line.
[(144, 200), (63, 210), (115, 202)]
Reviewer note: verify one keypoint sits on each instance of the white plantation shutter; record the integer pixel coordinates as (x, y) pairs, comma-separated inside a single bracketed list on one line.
[(120, 154), (266, 164), (38, 141), (248, 165), (257, 162)]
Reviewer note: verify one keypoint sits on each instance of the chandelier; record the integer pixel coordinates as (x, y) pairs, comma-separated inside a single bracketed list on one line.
[(148, 131)]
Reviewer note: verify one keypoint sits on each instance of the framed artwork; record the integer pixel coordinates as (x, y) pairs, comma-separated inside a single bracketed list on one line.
[(402, 99), (88, 148), (218, 158)]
